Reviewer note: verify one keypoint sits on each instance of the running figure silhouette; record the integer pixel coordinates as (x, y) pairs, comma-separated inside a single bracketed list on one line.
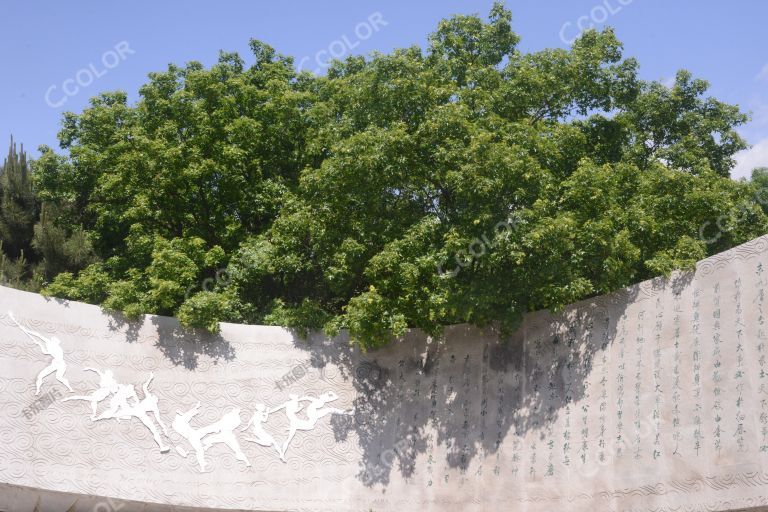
[(263, 437), (315, 410)]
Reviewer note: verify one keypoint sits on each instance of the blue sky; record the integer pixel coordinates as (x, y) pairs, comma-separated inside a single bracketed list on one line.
[(58, 54)]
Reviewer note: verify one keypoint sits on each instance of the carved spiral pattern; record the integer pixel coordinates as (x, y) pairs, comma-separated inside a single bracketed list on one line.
[(59, 448)]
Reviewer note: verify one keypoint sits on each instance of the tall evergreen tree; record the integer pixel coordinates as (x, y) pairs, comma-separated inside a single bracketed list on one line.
[(36, 242), (18, 206), (18, 214)]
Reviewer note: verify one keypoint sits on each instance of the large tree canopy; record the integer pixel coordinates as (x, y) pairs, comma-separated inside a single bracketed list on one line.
[(464, 182)]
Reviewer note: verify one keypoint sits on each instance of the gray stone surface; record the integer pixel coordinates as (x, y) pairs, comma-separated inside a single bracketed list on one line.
[(650, 399)]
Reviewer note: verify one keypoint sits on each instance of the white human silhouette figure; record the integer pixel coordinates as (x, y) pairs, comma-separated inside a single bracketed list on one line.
[(262, 437), (193, 436), (224, 433), (107, 386), (50, 347), (120, 400), (148, 404), (315, 410), (221, 431)]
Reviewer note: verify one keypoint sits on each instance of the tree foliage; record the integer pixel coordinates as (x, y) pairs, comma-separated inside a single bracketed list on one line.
[(18, 206), (464, 182), (33, 246)]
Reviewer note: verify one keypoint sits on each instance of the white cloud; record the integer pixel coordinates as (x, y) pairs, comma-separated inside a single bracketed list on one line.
[(756, 156), (763, 74)]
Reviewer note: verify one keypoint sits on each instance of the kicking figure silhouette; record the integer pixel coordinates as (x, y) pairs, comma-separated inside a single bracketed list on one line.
[(107, 386)]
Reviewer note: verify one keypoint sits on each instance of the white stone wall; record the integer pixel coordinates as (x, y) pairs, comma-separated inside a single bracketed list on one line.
[(652, 398)]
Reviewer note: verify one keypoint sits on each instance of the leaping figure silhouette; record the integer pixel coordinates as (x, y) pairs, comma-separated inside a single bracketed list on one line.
[(50, 347)]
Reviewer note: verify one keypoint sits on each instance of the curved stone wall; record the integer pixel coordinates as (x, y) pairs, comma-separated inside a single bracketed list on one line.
[(650, 399)]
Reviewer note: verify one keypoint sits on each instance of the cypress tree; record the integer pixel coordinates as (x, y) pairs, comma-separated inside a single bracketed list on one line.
[(18, 206), (33, 246)]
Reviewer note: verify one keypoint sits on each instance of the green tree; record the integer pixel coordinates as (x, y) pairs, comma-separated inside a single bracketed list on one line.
[(166, 190), (18, 206), (34, 246), (18, 214), (464, 182)]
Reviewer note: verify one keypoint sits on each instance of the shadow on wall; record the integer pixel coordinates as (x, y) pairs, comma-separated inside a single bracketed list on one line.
[(182, 346), (475, 390), (472, 392)]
